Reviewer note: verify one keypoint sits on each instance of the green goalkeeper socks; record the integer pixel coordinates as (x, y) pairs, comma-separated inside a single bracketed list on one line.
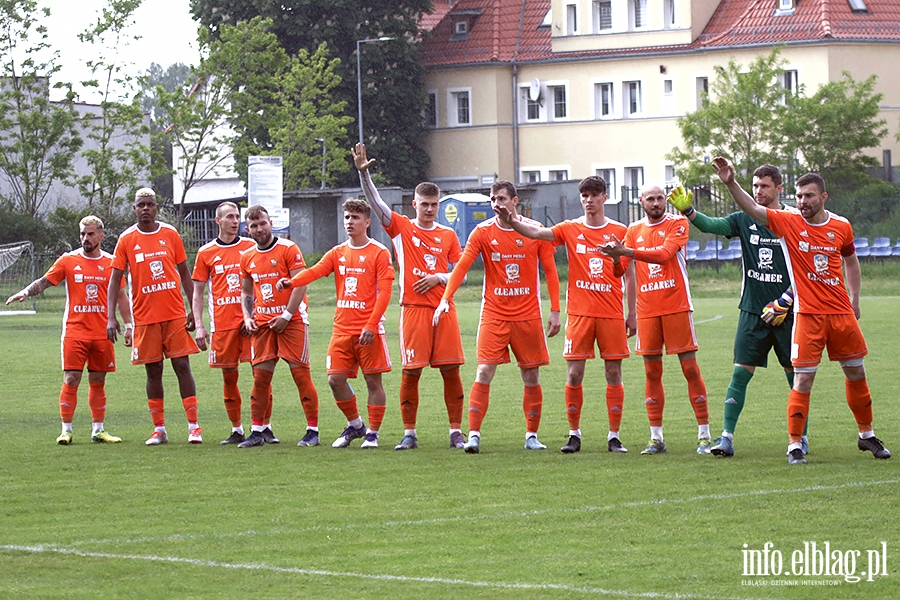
[(735, 397)]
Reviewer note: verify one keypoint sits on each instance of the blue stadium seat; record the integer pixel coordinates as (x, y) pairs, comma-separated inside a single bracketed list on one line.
[(863, 251), (881, 242), (895, 250), (730, 253), (714, 245), (734, 245), (861, 242), (705, 255), (694, 245), (879, 251)]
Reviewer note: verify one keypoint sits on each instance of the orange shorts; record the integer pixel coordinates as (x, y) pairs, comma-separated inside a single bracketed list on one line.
[(526, 338), (422, 344), (839, 333), (228, 348), (582, 332), (292, 344), (675, 331), (346, 355), (156, 341), (100, 355)]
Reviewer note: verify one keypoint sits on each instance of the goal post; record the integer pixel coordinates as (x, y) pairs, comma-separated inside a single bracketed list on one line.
[(16, 271)]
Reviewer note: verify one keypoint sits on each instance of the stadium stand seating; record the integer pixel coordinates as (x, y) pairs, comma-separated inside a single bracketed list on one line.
[(714, 245), (881, 242), (861, 242), (863, 251)]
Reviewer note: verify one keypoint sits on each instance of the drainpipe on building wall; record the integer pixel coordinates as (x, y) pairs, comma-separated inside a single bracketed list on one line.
[(515, 97)]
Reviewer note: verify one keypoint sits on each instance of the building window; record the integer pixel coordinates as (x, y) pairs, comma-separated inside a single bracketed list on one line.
[(602, 15), (609, 176), (431, 110), (604, 100), (571, 19), (858, 6), (558, 93), (667, 87), (670, 175), (560, 175), (461, 27), (668, 13), (548, 19), (532, 107), (531, 176), (785, 8), (459, 112), (702, 90), (634, 180), (790, 83), (632, 98), (637, 13)]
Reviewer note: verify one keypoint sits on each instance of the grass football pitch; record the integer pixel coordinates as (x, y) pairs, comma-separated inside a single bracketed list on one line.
[(207, 521)]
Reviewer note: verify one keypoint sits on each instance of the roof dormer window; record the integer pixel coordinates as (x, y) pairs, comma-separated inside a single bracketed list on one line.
[(858, 6), (785, 7), (461, 27)]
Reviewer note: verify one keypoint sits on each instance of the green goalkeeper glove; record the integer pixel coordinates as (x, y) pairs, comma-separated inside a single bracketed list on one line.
[(777, 310), (681, 199)]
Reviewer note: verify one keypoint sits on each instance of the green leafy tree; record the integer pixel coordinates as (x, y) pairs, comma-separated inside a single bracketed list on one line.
[(829, 131), (393, 76), (115, 152), (169, 79), (38, 137), (735, 120)]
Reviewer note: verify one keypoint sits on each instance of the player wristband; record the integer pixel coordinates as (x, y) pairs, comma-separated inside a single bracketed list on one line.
[(287, 316), (688, 211), (129, 326), (443, 278)]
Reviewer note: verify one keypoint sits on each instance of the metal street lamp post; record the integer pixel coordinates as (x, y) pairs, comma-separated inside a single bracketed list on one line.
[(359, 81), (323, 160)]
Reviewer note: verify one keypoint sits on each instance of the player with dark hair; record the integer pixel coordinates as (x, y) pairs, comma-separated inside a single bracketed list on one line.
[(511, 311), (86, 272), (154, 255), (819, 247), (664, 309), (363, 276), (594, 305), (763, 323), (218, 266), (425, 251), (279, 325)]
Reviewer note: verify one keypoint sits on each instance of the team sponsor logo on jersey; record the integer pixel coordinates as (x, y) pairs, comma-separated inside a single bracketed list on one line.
[(79, 278), (350, 285), (234, 282), (580, 249), (267, 294), (139, 257), (342, 270), (765, 258), (754, 239), (654, 270), (437, 240), (595, 263), (830, 235), (156, 269), (519, 243), (254, 276), (162, 243), (416, 241), (495, 257), (92, 292), (430, 261), (219, 269), (804, 246), (362, 259), (512, 273), (100, 268), (273, 262), (821, 262)]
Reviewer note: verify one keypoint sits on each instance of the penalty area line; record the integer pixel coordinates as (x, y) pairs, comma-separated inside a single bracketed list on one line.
[(39, 549), (715, 318)]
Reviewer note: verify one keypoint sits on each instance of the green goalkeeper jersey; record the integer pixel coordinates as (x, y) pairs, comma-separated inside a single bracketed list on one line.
[(762, 258)]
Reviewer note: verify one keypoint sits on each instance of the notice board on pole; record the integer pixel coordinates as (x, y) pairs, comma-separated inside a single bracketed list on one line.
[(265, 181)]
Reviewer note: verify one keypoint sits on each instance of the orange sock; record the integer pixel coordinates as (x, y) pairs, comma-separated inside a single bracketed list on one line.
[(190, 409), (615, 401), (309, 397), (68, 400), (376, 416), (349, 408), (409, 399), (574, 403), (453, 396), (696, 390), (532, 402), (232, 394), (860, 401), (157, 411), (797, 410), (97, 400), (269, 404), (479, 398), (260, 396), (656, 395)]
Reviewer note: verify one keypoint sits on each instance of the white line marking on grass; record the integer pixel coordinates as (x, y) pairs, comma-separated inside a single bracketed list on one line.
[(371, 576), (464, 518), (715, 318)]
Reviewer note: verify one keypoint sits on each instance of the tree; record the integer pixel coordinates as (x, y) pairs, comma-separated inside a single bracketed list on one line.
[(38, 137), (115, 151), (172, 78), (734, 120), (829, 130), (393, 74)]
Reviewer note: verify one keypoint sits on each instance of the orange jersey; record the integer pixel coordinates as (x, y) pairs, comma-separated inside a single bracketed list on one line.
[(265, 268), (813, 254), (87, 280), (593, 290), (662, 285), (421, 252), (218, 266), (152, 259), (362, 279)]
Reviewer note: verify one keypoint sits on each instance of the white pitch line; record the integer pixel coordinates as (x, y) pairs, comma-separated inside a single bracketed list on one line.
[(472, 518), (371, 576), (715, 318)]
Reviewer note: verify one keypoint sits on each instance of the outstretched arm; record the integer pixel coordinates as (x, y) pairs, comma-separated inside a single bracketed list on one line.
[(529, 230), (744, 200), (32, 289), (382, 210)]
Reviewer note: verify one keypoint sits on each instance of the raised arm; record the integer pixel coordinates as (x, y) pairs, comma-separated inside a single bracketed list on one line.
[(381, 209), (744, 200), (32, 289), (529, 230)]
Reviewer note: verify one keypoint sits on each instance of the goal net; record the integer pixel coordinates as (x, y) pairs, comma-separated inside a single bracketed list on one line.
[(16, 271)]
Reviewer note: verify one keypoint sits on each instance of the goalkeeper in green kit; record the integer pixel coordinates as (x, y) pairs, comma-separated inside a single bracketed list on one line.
[(763, 323)]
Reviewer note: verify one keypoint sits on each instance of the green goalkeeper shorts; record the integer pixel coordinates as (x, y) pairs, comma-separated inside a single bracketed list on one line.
[(754, 338)]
